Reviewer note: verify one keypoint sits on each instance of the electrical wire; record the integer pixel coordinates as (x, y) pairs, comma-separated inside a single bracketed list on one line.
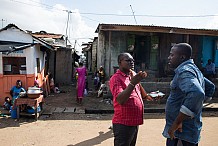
[(119, 15)]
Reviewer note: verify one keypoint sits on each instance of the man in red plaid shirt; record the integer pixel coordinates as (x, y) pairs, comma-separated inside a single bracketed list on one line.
[(127, 100)]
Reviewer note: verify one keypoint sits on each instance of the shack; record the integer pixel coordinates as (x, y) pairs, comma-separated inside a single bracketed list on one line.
[(22, 57)]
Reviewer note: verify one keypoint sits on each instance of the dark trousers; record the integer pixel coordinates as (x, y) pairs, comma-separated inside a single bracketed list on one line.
[(125, 135), (174, 142)]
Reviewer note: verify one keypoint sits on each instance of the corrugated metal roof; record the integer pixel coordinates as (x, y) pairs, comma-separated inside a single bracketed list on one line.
[(165, 29), (50, 38), (7, 46), (159, 26), (53, 36)]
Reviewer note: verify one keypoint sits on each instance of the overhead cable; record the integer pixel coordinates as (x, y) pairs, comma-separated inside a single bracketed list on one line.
[(124, 15)]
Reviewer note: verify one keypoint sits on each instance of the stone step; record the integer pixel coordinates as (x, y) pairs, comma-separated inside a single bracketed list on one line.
[(48, 110), (59, 110), (70, 110)]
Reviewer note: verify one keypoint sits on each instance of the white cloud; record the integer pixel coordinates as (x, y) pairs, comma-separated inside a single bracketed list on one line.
[(33, 16)]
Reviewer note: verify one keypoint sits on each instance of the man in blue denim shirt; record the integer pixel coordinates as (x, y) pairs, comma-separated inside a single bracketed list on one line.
[(185, 103)]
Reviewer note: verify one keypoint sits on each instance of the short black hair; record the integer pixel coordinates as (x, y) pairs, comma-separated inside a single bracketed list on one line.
[(120, 57), (6, 98), (184, 49), (19, 81), (80, 63)]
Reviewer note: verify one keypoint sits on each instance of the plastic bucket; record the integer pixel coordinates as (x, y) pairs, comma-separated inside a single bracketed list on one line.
[(14, 113)]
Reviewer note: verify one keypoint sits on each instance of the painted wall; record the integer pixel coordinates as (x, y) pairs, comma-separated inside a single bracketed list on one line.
[(15, 35), (216, 53), (8, 81), (210, 50)]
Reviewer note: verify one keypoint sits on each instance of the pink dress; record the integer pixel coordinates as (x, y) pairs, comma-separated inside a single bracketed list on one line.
[(81, 81)]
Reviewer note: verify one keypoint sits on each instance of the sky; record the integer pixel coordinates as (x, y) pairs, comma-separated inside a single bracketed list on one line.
[(85, 15)]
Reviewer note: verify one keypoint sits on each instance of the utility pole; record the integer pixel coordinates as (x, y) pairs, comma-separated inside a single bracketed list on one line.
[(133, 14), (2, 22), (68, 16)]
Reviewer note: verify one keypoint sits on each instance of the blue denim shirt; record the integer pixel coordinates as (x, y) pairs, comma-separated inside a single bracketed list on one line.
[(187, 96)]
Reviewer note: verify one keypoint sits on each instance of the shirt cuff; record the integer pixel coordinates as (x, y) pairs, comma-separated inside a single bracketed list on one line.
[(186, 111)]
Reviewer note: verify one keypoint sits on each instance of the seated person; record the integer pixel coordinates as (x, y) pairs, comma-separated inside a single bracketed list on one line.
[(102, 89), (101, 73), (96, 81), (7, 104), (209, 69), (56, 88), (17, 91), (52, 84)]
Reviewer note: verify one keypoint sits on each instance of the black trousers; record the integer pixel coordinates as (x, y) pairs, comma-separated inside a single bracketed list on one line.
[(174, 142), (125, 135)]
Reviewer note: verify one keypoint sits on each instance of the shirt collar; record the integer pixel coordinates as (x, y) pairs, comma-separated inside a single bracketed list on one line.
[(184, 63), (122, 73)]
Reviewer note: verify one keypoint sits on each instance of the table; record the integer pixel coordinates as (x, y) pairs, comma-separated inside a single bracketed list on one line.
[(33, 102)]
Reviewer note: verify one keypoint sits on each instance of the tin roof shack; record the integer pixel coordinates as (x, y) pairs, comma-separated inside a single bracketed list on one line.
[(61, 60), (90, 52), (23, 57), (150, 46)]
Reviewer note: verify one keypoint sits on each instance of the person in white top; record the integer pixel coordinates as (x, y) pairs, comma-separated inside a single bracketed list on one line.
[(210, 69)]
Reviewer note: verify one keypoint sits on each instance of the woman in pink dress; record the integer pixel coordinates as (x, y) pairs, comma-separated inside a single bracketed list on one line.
[(81, 71)]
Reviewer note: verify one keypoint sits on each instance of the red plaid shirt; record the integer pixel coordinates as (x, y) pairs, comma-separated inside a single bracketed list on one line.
[(131, 112)]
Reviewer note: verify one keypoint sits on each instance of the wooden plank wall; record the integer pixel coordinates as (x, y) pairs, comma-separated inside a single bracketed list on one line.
[(8, 81)]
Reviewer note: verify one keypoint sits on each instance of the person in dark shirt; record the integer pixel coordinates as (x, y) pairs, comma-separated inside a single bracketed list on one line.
[(7, 104)]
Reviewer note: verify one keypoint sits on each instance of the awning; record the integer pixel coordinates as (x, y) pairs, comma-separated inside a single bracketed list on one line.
[(13, 48), (8, 47)]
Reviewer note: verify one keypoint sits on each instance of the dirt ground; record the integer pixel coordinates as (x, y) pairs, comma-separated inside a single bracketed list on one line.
[(70, 129), (68, 99)]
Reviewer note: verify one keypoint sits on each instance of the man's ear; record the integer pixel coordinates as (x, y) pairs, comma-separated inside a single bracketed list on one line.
[(182, 57)]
